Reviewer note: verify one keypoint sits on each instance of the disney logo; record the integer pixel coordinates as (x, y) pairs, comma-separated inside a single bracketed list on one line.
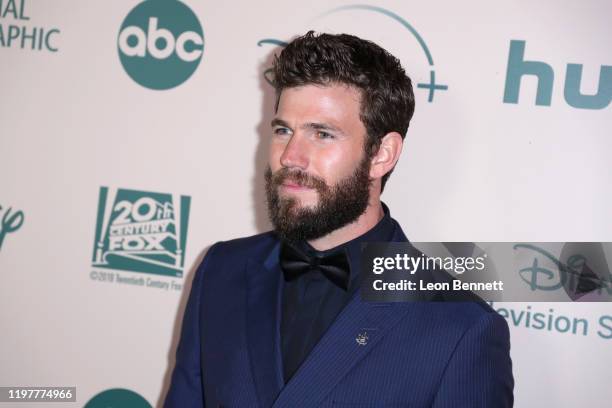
[(575, 275), (11, 222)]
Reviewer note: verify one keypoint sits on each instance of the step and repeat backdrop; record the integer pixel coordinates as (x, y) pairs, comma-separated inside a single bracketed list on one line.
[(133, 135)]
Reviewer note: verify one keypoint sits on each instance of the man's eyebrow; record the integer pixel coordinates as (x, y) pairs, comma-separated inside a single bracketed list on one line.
[(322, 126), (278, 122), (309, 125)]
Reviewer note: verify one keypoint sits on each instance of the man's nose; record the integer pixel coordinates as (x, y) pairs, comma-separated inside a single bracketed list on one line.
[(295, 153)]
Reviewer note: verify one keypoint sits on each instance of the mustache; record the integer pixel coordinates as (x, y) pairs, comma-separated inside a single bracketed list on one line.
[(298, 177)]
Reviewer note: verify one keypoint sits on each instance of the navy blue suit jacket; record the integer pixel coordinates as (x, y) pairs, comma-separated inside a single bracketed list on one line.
[(417, 354)]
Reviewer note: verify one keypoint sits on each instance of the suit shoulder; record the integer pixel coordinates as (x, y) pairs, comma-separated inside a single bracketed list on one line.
[(254, 246), (475, 309), (461, 316)]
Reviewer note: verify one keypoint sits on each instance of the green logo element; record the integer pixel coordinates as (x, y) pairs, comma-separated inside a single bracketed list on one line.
[(160, 43), (10, 222), (432, 86), (141, 231), (518, 67), (117, 398)]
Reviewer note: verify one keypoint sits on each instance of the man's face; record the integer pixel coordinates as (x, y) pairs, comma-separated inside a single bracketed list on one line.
[(318, 175)]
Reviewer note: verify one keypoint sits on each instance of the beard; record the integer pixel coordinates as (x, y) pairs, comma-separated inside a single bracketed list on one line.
[(338, 205)]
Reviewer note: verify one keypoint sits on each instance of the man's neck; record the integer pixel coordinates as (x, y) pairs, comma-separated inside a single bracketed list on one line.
[(366, 221)]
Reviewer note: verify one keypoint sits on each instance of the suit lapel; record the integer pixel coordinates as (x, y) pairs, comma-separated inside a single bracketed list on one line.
[(263, 327), (357, 330)]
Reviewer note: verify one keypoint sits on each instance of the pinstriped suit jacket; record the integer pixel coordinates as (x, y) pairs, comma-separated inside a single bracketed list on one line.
[(418, 354)]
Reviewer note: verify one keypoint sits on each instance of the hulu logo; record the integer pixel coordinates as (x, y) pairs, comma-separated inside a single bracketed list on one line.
[(519, 67)]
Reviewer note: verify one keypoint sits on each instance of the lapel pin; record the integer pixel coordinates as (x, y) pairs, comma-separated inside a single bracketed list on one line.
[(362, 338)]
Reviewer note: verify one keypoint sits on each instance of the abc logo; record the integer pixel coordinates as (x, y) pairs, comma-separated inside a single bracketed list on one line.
[(160, 43)]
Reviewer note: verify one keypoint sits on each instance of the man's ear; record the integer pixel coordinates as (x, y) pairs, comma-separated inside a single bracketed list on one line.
[(387, 155)]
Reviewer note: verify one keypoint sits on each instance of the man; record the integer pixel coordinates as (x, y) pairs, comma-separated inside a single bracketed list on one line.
[(275, 320)]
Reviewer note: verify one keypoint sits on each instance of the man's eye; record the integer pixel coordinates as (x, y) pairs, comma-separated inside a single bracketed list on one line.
[(324, 135), (281, 131)]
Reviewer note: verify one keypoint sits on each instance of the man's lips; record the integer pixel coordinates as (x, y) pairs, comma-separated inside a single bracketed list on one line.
[(291, 186)]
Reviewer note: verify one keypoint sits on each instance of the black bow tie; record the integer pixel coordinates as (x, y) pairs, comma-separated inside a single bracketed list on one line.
[(295, 263)]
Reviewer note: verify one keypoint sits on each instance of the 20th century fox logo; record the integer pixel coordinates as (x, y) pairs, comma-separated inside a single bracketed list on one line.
[(141, 231)]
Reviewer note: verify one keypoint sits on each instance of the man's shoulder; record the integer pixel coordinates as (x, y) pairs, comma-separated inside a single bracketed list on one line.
[(256, 247), (459, 317), (470, 311)]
